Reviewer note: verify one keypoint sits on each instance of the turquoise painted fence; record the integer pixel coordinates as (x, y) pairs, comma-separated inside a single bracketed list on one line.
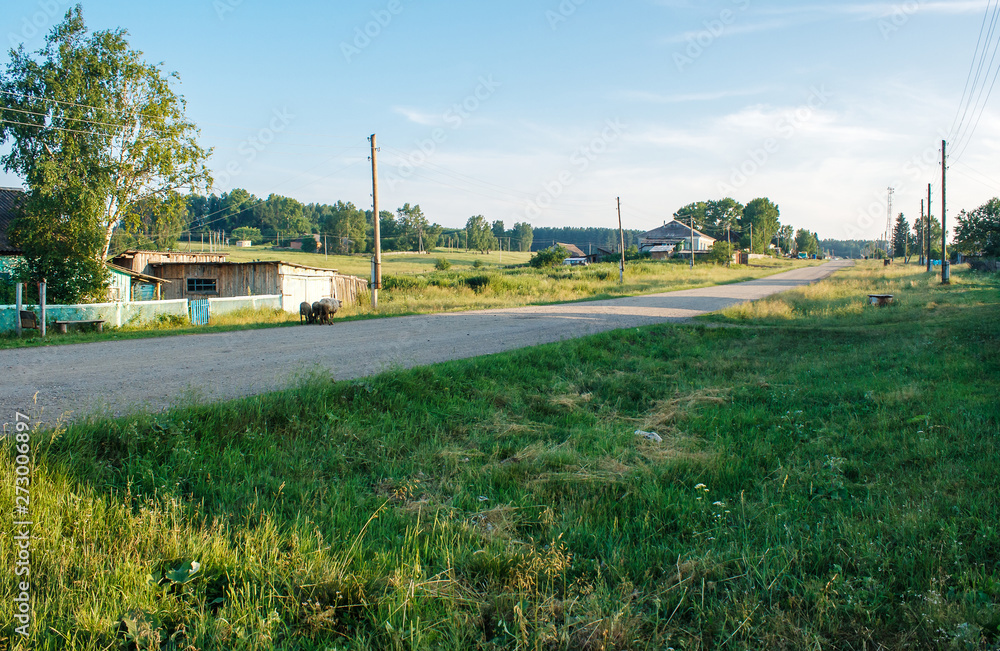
[(139, 312)]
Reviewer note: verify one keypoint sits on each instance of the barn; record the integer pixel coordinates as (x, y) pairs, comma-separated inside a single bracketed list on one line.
[(295, 283)]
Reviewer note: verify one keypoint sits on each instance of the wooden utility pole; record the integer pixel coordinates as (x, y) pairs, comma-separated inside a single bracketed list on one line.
[(927, 235), (19, 296), (945, 265), (691, 226), (621, 243), (377, 259), (921, 234)]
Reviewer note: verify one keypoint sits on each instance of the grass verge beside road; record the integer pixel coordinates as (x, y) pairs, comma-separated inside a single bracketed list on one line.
[(826, 478)]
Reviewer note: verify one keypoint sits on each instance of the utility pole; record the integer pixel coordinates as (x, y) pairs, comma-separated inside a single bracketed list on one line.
[(945, 265), (888, 223), (377, 259), (621, 241), (691, 226), (921, 234), (927, 235)]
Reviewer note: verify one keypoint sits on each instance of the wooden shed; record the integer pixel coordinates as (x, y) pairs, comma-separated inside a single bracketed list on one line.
[(141, 261), (295, 283)]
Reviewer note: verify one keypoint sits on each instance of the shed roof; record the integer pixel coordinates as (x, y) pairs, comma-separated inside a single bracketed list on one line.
[(243, 264), (573, 249), (136, 274), (9, 200)]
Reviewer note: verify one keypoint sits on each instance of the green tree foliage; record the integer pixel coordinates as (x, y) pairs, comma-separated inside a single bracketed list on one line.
[(722, 217), (786, 238), (282, 215), (521, 236), (232, 210), (248, 233), (696, 211), (480, 234), (498, 229), (935, 232), (978, 232), (86, 114), (763, 214), (806, 242), (59, 247), (901, 238), (412, 228), (309, 244), (550, 257), (722, 252), (346, 227)]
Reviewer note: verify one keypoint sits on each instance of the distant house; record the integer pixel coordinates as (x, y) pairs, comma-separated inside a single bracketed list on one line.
[(673, 233), (297, 243), (10, 198), (574, 250)]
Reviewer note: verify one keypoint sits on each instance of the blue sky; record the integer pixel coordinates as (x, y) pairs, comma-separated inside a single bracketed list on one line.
[(546, 111)]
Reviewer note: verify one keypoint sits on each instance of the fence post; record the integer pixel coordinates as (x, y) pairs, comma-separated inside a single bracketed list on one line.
[(17, 310), (41, 305)]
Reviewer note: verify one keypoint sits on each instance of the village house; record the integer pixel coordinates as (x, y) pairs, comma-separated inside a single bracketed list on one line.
[(662, 241), (9, 255)]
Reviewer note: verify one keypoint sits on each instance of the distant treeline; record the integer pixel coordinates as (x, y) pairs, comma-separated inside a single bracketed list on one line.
[(586, 238), (848, 248)]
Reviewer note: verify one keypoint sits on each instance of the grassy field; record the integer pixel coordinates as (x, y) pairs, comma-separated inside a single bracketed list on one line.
[(392, 263), (826, 478), (413, 286)]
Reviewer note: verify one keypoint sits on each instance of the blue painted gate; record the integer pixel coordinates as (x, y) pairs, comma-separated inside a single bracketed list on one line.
[(199, 311)]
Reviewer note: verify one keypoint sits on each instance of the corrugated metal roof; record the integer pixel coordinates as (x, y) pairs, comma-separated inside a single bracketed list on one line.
[(9, 199)]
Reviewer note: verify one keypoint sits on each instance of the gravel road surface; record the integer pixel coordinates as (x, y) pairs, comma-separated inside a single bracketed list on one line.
[(119, 377)]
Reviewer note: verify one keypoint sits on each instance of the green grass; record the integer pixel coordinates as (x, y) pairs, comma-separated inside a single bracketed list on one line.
[(413, 286), (392, 263), (827, 478)]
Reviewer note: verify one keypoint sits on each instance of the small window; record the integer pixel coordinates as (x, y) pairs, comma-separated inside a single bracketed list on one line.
[(201, 286)]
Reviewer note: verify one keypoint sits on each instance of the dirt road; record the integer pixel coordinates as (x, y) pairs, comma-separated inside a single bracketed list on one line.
[(124, 376)]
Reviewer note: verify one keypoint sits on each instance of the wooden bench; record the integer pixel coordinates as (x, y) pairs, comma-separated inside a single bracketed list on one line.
[(29, 320), (63, 325), (879, 300)]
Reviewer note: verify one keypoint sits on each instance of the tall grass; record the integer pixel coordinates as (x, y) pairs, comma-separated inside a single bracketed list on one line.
[(827, 483)]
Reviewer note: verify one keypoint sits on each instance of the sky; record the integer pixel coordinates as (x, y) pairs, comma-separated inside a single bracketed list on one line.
[(547, 111)]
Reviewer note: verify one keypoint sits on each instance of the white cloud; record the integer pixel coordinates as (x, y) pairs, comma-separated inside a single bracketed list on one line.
[(418, 117)]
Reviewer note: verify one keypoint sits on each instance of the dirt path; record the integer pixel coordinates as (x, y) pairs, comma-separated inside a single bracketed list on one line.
[(123, 376)]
